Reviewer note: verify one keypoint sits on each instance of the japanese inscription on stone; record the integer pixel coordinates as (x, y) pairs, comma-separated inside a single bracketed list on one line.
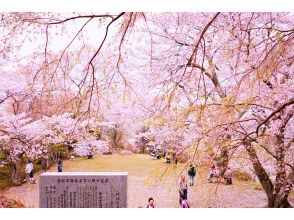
[(83, 190)]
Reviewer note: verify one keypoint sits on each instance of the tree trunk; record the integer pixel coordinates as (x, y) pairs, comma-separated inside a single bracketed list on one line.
[(274, 200), (16, 173), (280, 203)]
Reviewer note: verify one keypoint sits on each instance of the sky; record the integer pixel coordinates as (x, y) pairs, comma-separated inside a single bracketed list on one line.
[(149, 5)]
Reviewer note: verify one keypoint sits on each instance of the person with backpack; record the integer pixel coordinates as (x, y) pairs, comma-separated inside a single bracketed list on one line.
[(192, 174)]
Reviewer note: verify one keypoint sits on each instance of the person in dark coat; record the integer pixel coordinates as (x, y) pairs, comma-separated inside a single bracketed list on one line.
[(59, 165), (192, 174)]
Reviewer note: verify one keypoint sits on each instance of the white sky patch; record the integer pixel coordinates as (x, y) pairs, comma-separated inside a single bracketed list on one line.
[(149, 5)]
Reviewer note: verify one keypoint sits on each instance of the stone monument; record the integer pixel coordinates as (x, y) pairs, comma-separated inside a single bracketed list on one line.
[(83, 190)]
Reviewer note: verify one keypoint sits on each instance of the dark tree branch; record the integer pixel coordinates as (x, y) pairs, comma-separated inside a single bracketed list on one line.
[(78, 17), (201, 36), (105, 36), (290, 102)]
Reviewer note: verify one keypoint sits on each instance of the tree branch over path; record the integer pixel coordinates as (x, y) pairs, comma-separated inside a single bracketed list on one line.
[(290, 102), (78, 17), (202, 36), (105, 36)]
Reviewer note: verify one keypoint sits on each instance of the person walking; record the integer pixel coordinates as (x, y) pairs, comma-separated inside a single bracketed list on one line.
[(59, 165), (183, 189), (192, 174)]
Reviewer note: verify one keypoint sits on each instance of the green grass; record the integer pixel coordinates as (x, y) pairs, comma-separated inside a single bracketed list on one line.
[(144, 167), (137, 164)]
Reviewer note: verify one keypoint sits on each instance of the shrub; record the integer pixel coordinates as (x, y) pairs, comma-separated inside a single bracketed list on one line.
[(3, 155), (5, 177), (242, 175), (183, 158)]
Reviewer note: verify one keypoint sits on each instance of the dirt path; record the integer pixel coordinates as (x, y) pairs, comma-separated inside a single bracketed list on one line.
[(203, 194)]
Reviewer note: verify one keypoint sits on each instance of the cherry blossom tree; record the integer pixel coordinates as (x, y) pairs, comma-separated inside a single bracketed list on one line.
[(224, 81), (21, 136)]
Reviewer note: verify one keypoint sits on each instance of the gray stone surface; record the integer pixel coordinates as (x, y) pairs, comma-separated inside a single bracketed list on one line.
[(83, 190)]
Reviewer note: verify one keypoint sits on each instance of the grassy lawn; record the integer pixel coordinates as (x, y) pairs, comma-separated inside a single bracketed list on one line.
[(136, 165), (149, 177)]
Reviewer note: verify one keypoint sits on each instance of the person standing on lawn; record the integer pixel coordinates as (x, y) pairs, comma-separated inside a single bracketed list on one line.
[(59, 165), (192, 174)]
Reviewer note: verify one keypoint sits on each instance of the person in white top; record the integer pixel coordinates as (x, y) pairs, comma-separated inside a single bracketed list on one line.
[(29, 168)]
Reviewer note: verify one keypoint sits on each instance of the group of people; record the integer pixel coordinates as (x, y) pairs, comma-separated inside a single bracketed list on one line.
[(214, 172), (29, 169), (183, 189), (170, 158), (154, 153), (183, 185)]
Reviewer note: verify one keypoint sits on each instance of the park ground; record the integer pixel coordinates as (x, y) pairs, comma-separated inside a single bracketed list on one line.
[(148, 177)]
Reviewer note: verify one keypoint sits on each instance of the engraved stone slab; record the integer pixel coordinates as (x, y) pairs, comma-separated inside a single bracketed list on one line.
[(83, 190)]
